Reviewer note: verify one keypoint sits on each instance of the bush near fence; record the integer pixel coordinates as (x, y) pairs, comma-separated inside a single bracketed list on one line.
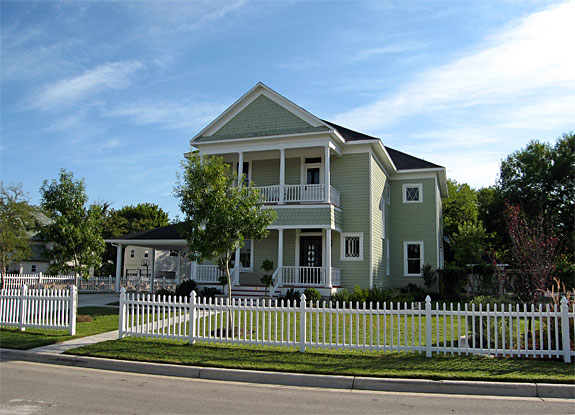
[(417, 327)]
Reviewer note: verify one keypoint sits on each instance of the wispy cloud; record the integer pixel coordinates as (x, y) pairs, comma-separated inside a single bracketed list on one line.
[(115, 75), (186, 115), (370, 53), (299, 63), (530, 59)]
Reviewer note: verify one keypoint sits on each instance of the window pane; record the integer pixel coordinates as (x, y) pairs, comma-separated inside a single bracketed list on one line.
[(352, 246), (413, 266), (246, 254), (412, 194), (413, 251)]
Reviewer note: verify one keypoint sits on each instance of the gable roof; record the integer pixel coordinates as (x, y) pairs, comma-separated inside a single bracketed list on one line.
[(402, 161), (169, 232)]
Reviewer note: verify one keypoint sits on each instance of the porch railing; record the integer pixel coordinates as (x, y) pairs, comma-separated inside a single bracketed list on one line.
[(210, 274), (294, 193)]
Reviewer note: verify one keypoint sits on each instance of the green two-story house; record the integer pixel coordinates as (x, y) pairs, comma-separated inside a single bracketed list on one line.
[(350, 211)]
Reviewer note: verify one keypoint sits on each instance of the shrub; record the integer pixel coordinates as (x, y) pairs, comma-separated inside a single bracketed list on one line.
[(164, 292), (209, 292), (267, 279), (341, 296), (451, 281), (291, 295), (185, 288), (312, 295), (429, 276), (359, 295)]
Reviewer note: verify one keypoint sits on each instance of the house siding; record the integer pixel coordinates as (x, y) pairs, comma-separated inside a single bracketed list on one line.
[(267, 172), (320, 216), (350, 175), (378, 180), (412, 222), (262, 117)]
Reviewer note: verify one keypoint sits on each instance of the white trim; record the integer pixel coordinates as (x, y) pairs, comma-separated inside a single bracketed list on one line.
[(301, 207), (148, 242), (438, 208), (421, 257), (342, 246), (298, 244), (252, 248), (259, 138), (370, 222), (405, 186), (387, 257), (300, 227), (305, 166)]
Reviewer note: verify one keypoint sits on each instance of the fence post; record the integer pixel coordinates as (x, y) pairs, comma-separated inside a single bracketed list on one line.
[(22, 316), (73, 293), (302, 323), (192, 329), (565, 330), (428, 339), (122, 314), (40, 281), (109, 283)]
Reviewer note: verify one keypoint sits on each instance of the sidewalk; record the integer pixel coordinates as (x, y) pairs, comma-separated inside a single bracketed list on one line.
[(58, 348)]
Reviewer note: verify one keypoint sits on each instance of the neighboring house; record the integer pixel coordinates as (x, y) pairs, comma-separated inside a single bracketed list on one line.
[(351, 211), (37, 262)]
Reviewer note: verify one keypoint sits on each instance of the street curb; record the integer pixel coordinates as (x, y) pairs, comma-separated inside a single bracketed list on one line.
[(539, 390)]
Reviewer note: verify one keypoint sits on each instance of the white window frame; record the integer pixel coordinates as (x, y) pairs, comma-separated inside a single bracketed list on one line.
[(251, 267), (385, 202), (421, 256), (387, 258), (342, 246), (411, 185)]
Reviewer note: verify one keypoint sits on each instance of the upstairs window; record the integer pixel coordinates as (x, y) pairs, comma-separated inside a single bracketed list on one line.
[(174, 253), (132, 253), (413, 193)]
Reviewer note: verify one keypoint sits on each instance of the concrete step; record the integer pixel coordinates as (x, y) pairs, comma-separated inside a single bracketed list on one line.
[(250, 291)]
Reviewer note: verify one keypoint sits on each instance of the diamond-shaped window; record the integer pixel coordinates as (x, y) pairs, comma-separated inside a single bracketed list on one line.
[(412, 194)]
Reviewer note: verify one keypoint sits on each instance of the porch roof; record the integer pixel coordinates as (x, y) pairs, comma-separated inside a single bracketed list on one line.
[(165, 236)]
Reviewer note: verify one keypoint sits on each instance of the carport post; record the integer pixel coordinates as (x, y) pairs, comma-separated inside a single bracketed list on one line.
[(118, 266)]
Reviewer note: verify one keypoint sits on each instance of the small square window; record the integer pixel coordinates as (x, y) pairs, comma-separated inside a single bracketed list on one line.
[(352, 246), (413, 193)]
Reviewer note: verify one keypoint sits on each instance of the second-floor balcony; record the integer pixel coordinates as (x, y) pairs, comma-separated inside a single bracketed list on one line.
[(299, 193)]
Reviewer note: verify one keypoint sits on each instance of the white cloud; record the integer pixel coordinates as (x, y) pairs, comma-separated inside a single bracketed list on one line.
[(115, 75), (299, 63), (531, 59), (375, 52), (188, 116)]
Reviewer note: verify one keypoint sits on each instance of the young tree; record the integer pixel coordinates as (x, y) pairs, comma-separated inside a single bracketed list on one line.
[(16, 219), (535, 248), (218, 215), (75, 228)]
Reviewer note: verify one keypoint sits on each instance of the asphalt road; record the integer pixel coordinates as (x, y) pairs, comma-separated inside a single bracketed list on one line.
[(32, 388)]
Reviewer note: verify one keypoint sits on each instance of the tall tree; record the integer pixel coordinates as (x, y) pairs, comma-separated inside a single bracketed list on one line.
[(539, 178), (491, 208), (75, 228), (218, 216), (127, 220), (16, 220)]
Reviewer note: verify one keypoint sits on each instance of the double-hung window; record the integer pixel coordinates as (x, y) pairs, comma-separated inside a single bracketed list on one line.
[(413, 257)]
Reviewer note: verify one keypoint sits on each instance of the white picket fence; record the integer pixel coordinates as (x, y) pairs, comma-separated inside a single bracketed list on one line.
[(37, 281), (418, 327), (39, 308)]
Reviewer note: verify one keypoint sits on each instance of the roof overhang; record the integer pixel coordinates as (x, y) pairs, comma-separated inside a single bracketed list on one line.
[(441, 174), (156, 243)]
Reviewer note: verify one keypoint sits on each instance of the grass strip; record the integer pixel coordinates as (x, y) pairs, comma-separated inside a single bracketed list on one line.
[(391, 365), (105, 319)]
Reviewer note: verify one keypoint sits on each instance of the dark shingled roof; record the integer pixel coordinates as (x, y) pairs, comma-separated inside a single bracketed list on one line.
[(165, 232), (401, 160)]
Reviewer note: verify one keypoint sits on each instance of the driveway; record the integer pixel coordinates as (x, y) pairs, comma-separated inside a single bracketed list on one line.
[(98, 300)]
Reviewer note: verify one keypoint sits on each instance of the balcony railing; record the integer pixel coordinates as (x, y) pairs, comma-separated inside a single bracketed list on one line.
[(299, 193)]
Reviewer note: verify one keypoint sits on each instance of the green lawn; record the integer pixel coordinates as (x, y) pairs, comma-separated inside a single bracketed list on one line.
[(393, 365), (105, 319)]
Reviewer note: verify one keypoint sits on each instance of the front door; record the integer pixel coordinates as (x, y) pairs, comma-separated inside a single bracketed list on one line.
[(312, 192), (310, 255)]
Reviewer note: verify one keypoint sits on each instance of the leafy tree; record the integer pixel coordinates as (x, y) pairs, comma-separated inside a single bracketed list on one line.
[(469, 243), (218, 216), (127, 220), (75, 228), (535, 249), (16, 219), (539, 178), (491, 207), (459, 207)]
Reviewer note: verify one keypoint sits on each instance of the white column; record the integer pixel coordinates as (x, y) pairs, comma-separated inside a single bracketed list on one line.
[(280, 253), (240, 168), (282, 175), (119, 249), (327, 175), (153, 275), (328, 256), (179, 271), (236, 279)]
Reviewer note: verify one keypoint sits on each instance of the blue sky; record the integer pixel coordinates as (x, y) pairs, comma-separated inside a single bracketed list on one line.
[(114, 90)]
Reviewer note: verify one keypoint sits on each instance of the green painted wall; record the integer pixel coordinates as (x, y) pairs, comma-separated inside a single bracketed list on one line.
[(262, 117), (378, 206), (267, 172), (350, 175), (303, 216), (412, 222)]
